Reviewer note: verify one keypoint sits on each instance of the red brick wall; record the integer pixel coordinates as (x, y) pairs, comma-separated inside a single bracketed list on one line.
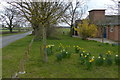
[(96, 15), (115, 35)]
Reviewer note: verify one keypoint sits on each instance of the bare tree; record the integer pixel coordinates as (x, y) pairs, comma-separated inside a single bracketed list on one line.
[(114, 8), (41, 15), (74, 13), (10, 17)]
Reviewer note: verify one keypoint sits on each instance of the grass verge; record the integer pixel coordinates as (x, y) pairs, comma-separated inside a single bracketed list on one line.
[(68, 68)]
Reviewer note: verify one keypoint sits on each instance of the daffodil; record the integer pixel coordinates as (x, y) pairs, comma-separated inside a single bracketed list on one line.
[(81, 54), (93, 57), (85, 56), (66, 52), (103, 58), (99, 57), (116, 55), (91, 60), (52, 45), (84, 51)]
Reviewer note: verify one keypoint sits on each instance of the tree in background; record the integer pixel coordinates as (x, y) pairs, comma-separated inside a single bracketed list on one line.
[(10, 17), (114, 8), (85, 29), (74, 12)]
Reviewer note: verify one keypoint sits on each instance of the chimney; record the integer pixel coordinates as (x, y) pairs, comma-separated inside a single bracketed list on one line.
[(97, 15)]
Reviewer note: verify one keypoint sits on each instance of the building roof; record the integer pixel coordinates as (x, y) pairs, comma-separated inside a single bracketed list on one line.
[(112, 19), (97, 10)]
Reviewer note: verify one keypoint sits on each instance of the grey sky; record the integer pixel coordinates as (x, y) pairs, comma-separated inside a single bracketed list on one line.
[(92, 4)]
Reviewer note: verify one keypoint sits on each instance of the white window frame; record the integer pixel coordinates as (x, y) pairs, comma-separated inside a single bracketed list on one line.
[(111, 29)]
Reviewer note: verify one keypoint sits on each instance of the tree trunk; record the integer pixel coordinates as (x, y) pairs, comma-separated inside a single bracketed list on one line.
[(10, 30), (71, 30), (44, 44)]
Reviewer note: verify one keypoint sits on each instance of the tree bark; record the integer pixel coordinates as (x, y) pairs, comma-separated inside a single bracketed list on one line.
[(10, 29), (71, 31), (44, 44)]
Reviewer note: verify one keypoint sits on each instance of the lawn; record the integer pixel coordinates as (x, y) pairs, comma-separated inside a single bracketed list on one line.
[(67, 68)]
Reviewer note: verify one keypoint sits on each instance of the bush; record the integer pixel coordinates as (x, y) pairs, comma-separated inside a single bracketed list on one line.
[(86, 29)]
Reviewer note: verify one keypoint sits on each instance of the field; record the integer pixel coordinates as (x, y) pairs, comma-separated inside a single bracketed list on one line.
[(6, 32), (67, 68)]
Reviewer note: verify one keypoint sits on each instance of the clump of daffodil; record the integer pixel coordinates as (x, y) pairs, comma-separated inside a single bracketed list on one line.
[(99, 61), (81, 54), (93, 57), (49, 46), (84, 51), (91, 60), (116, 55), (85, 56), (108, 52), (49, 49), (77, 49), (104, 58), (89, 63), (117, 60)]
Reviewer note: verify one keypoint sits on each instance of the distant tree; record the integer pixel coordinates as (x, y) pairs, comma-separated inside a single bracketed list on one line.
[(10, 17), (114, 8), (85, 29), (74, 12)]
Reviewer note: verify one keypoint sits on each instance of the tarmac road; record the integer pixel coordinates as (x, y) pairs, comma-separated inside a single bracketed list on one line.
[(6, 40)]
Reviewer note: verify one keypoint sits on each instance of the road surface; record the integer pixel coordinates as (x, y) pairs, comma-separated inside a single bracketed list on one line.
[(6, 40)]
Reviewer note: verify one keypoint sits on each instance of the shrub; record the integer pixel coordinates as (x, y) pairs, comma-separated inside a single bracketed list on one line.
[(86, 29)]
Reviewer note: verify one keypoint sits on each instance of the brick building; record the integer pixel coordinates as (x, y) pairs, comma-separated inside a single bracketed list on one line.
[(107, 24)]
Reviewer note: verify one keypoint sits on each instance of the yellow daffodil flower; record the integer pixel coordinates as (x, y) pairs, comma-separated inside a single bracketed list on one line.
[(116, 55), (103, 58), (81, 54)]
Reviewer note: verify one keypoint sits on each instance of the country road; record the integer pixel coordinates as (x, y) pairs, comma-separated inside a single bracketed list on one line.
[(6, 40)]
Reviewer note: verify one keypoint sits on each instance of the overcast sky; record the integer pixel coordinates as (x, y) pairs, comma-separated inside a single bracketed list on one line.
[(92, 4)]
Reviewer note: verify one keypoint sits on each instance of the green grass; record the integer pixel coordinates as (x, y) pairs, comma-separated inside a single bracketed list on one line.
[(8, 34), (68, 68)]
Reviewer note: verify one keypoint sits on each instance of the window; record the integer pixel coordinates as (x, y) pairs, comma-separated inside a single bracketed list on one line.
[(111, 29)]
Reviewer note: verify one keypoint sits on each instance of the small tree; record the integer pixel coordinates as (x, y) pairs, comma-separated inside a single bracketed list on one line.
[(86, 29)]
